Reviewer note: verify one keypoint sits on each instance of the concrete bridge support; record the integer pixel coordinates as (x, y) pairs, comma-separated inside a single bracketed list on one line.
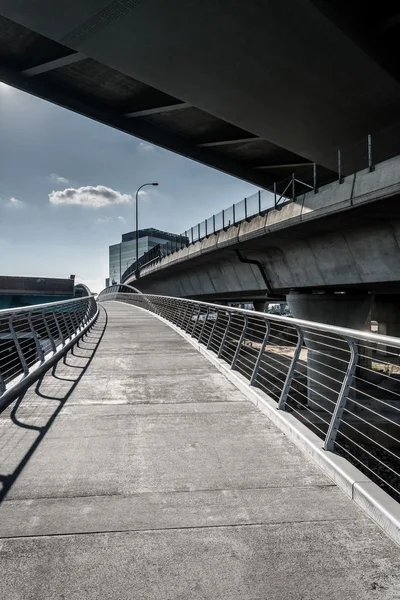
[(328, 357)]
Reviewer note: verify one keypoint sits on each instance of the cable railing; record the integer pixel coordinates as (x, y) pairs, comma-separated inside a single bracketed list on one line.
[(32, 336), (343, 384)]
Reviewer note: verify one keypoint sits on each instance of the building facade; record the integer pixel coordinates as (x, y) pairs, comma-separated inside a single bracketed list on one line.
[(122, 255)]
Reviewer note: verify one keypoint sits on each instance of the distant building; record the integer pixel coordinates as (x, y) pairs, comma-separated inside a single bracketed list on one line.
[(107, 282), (124, 254), (16, 292)]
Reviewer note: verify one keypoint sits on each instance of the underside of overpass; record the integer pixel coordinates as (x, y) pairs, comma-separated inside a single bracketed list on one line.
[(252, 89)]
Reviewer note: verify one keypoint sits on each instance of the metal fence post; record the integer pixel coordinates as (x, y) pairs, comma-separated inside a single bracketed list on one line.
[(342, 398), (223, 219), (191, 230), (206, 228), (315, 178), (198, 231), (212, 331), (370, 165), (339, 161), (275, 194), (240, 342), (60, 333), (204, 324), (245, 209), (234, 214), (15, 339), (260, 354), (221, 348), (190, 319), (213, 223), (290, 373), (259, 202), (39, 349)]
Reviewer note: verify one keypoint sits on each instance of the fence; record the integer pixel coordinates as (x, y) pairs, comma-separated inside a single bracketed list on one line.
[(31, 336), (342, 384)]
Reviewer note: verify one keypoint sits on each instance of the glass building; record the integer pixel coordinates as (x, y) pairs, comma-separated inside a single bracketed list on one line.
[(122, 255)]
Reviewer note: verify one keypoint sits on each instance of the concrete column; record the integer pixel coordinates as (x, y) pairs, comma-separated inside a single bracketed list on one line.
[(328, 354), (386, 311), (259, 305)]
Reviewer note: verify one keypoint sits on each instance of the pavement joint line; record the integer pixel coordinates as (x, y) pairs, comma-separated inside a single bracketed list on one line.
[(184, 528), (166, 492), (379, 506)]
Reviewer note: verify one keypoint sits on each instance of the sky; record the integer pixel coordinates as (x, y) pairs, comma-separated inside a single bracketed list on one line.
[(67, 187)]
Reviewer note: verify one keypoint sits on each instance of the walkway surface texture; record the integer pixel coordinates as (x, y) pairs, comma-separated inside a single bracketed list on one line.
[(136, 470)]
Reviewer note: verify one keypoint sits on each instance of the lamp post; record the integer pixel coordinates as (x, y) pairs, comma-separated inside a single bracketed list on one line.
[(137, 227)]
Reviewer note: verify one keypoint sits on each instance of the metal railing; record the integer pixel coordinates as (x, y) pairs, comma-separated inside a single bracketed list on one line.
[(31, 336), (342, 384)]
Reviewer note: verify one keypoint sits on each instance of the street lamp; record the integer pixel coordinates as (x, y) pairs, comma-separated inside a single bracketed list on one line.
[(137, 227)]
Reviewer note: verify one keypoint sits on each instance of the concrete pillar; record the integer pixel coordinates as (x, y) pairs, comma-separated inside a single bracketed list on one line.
[(328, 354), (259, 305), (386, 311)]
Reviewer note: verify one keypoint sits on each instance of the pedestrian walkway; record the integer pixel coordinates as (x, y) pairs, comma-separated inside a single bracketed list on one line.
[(135, 470)]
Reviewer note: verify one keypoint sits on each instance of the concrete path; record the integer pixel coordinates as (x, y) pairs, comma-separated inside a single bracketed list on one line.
[(135, 470)]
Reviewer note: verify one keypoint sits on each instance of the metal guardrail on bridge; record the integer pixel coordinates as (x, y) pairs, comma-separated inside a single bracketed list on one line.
[(32, 336), (343, 384)]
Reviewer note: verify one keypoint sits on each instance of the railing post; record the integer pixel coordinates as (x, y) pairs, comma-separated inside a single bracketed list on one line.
[(315, 178), (342, 398), (224, 336), (190, 318), (213, 223), (223, 219), (259, 202), (260, 354), (370, 165), (66, 324), (204, 324), (245, 209), (290, 373), (339, 161), (60, 333), (234, 214), (191, 230), (275, 194), (39, 349), (293, 187), (240, 342), (212, 331), (15, 339), (198, 231), (206, 228)]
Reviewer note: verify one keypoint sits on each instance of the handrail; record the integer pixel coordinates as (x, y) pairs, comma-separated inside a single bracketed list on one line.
[(34, 337), (343, 384), (361, 335)]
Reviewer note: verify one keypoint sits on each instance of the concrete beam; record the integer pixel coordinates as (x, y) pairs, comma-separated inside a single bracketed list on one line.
[(157, 110), (54, 64), (228, 142), (285, 166)]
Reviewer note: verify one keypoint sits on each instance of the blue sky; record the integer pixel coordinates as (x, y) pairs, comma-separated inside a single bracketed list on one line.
[(45, 150)]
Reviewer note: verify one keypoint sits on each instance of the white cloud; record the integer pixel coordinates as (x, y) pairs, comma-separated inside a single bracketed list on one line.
[(58, 179), (145, 147), (121, 219), (14, 203), (92, 196)]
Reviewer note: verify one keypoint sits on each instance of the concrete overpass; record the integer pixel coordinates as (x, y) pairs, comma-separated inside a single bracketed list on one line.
[(247, 88), (344, 239)]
